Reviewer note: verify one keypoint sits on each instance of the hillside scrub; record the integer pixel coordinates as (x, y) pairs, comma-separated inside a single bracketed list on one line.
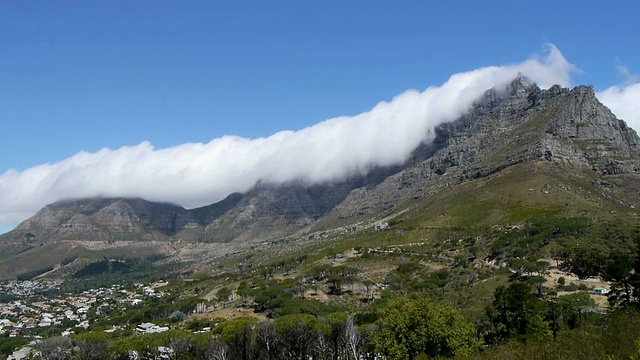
[(406, 300), (406, 328)]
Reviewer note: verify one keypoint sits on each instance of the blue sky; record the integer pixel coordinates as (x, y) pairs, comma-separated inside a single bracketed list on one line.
[(81, 76)]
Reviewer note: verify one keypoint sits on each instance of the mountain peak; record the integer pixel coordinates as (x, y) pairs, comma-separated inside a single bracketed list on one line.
[(521, 87)]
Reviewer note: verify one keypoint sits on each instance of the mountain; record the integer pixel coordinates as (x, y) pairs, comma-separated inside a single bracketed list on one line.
[(567, 138), (520, 152)]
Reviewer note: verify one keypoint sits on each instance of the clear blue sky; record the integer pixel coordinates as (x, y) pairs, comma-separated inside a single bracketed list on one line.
[(85, 75)]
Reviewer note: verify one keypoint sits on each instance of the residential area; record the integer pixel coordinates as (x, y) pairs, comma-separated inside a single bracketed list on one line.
[(31, 310)]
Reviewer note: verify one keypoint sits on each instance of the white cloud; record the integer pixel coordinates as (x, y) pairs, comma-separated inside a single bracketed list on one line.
[(197, 174), (624, 102)]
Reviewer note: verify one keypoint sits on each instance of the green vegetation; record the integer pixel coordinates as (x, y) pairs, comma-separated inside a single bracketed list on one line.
[(7, 344), (405, 328), (410, 329), (34, 273), (408, 292), (102, 267)]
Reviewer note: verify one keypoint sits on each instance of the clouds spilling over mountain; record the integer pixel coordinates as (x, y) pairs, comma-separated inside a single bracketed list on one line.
[(197, 174)]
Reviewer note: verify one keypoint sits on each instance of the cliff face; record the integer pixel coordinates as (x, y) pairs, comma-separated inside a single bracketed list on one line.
[(566, 126), (588, 134)]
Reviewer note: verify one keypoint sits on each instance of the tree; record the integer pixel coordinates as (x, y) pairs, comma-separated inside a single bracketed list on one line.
[(474, 250), (297, 334), (267, 340), (8, 345), (515, 313), (180, 346), (90, 346), (369, 286), (223, 294), (572, 307), (337, 335), (57, 348), (620, 271), (239, 337), (537, 282), (336, 283), (353, 338), (216, 350), (473, 277), (411, 328)]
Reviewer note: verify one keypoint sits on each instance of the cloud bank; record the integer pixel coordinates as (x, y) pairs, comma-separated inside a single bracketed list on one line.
[(197, 174)]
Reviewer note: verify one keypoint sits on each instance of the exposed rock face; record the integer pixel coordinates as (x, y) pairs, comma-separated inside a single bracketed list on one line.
[(79, 223), (269, 211), (588, 133), (266, 208), (44, 221), (118, 216)]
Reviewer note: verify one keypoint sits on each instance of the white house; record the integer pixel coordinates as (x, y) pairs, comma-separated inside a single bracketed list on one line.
[(150, 328)]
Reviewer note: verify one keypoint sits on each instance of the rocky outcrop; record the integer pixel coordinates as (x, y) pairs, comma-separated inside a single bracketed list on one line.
[(584, 132), (119, 217), (79, 223)]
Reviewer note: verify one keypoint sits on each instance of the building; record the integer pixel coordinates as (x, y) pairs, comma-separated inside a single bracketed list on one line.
[(382, 225), (150, 328)]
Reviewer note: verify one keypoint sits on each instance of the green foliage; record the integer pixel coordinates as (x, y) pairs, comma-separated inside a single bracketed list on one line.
[(223, 294), (526, 242), (617, 341), (232, 328), (408, 267), (102, 267), (573, 309), (147, 343), (8, 345), (515, 313), (33, 273), (411, 328), (5, 298), (298, 331), (322, 272)]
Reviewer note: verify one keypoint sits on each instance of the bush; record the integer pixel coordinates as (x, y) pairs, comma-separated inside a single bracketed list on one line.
[(583, 287)]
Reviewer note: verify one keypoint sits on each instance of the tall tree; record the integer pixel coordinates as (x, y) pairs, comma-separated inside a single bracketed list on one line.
[(353, 339), (297, 334), (515, 313), (411, 328), (239, 336)]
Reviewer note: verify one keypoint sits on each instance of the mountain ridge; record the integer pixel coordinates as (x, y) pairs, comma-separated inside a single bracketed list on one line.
[(564, 133)]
